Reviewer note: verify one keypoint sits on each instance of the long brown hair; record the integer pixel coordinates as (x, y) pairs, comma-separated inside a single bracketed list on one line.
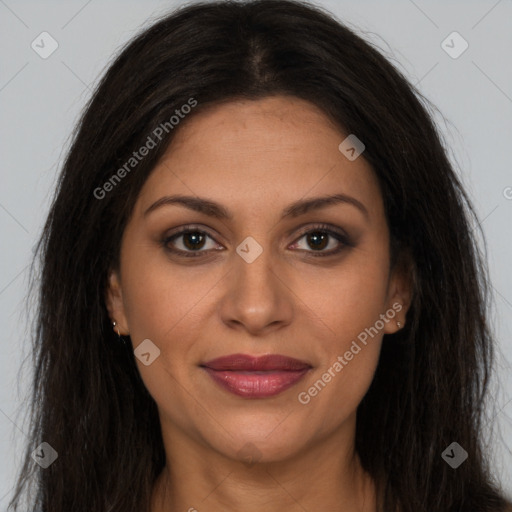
[(88, 400)]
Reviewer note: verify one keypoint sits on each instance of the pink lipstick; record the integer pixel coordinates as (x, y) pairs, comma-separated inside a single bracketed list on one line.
[(256, 377)]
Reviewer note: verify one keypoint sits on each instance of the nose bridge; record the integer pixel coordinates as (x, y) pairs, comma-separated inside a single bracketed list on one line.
[(253, 268)]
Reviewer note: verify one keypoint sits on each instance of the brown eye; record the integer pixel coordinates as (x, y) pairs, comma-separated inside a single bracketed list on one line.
[(320, 238), (193, 240), (317, 240), (190, 242)]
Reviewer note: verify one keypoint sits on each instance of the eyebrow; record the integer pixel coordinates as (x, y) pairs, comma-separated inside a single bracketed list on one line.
[(216, 210)]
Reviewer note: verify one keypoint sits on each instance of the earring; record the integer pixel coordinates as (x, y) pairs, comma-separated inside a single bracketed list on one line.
[(399, 324), (119, 337)]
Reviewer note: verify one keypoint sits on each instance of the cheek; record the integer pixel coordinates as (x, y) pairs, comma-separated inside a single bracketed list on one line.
[(335, 394), (159, 297), (164, 305), (350, 354), (350, 303), (349, 297), (168, 305)]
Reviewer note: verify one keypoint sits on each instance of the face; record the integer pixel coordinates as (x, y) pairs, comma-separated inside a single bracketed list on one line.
[(257, 262)]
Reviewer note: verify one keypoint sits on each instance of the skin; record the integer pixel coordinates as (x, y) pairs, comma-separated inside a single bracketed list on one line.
[(255, 158)]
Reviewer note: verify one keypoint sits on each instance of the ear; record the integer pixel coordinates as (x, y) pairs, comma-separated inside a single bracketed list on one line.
[(400, 292), (114, 303)]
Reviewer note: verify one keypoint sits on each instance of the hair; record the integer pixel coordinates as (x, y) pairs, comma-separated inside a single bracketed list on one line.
[(430, 388)]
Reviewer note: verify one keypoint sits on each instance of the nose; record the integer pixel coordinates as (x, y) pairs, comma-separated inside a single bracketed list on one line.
[(257, 298)]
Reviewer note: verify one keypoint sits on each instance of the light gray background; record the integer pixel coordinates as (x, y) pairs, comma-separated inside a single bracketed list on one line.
[(40, 100)]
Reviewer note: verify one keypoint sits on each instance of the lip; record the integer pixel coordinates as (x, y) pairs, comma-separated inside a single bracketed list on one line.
[(256, 377), (247, 363)]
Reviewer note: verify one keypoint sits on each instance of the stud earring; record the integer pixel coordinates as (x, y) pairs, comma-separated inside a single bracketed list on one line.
[(399, 324)]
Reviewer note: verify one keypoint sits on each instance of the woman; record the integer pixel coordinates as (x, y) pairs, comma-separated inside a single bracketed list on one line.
[(260, 289)]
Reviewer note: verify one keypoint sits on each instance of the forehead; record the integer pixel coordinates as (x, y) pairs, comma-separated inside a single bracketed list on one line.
[(276, 147)]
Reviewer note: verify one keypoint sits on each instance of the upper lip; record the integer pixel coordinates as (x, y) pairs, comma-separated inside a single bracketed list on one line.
[(244, 362)]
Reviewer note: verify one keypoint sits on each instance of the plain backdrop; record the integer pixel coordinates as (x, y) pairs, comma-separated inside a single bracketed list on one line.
[(41, 99)]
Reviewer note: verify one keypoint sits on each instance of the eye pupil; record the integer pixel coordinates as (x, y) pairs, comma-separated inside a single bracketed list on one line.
[(194, 238), (317, 240)]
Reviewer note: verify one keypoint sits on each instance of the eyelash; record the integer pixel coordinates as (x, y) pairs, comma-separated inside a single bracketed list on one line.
[(320, 228)]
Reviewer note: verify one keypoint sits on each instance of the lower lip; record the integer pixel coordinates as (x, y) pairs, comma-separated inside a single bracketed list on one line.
[(256, 384)]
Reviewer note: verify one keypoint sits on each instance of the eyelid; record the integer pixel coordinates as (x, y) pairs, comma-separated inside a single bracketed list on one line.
[(335, 232), (320, 226), (339, 234), (189, 228)]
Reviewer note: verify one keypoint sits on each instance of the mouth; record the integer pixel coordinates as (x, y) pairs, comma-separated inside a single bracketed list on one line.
[(256, 377)]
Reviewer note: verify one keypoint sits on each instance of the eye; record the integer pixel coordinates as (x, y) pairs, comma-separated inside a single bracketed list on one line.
[(321, 237), (188, 241)]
